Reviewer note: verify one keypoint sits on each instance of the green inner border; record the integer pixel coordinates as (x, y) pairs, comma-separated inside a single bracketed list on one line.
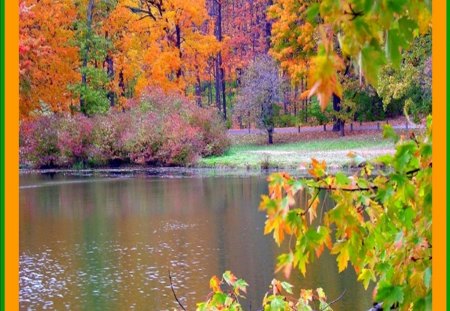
[(2, 153)]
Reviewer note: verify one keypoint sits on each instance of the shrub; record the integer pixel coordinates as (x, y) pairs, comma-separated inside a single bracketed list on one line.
[(54, 140), (74, 134), (143, 138), (160, 128), (108, 138), (285, 120), (188, 124), (183, 143), (39, 141), (213, 130)]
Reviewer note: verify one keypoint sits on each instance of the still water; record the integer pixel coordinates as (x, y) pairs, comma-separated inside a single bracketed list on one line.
[(108, 243)]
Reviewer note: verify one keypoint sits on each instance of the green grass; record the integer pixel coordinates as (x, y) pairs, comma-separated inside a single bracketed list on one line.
[(291, 155)]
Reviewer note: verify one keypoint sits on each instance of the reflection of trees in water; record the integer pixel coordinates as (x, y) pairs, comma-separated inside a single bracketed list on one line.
[(118, 238)]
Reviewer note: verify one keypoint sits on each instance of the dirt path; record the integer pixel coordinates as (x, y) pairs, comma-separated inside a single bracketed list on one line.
[(398, 124)]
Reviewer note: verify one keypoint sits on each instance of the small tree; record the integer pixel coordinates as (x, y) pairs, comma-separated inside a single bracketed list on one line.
[(259, 92), (409, 85)]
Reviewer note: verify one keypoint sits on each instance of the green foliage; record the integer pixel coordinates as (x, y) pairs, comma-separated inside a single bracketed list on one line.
[(380, 224), (315, 39), (285, 120), (227, 291), (369, 106), (93, 90), (93, 93), (320, 117), (409, 85)]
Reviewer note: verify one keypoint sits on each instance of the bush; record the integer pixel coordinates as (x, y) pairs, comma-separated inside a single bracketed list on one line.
[(285, 120), (214, 134), (73, 137), (144, 138), (159, 129), (39, 141), (183, 144), (107, 143)]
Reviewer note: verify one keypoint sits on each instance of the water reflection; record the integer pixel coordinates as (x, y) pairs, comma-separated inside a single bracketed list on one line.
[(108, 243)]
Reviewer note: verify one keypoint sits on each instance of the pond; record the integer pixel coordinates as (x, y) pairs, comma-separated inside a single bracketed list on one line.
[(107, 242)]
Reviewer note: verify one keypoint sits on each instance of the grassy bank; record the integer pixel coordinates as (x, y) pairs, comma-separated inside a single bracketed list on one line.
[(333, 150)]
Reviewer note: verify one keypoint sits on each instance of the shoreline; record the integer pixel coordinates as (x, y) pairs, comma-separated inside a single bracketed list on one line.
[(174, 172)]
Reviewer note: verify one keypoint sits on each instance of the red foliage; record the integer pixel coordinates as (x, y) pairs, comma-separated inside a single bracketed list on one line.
[(159, 129), (74, 133)]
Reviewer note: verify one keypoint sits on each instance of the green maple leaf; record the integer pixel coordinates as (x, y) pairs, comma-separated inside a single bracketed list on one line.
[(390, 295)]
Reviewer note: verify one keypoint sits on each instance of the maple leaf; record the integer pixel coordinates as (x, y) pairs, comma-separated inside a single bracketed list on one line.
[(214, 284), (229, 277), (307, 294)]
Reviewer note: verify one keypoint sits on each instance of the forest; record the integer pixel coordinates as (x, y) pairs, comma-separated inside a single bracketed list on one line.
[(179, 83), (253, 63)]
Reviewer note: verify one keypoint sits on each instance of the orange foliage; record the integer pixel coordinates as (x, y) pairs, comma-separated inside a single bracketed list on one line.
[(147, 50), (47, 60)]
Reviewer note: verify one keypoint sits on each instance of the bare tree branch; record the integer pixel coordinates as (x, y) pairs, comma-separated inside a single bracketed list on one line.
[(334, 301), (174, 294)]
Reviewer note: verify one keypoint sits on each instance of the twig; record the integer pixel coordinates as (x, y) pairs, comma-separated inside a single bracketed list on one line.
[(348, 189), (336, 300), (173, 291), (312, 201), (412, 172)]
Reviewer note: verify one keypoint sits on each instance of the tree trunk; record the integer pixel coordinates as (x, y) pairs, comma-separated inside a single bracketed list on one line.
[(89, 14), (337, 108), (217, 83), (268, 27), (210, 90), (285, 103), (121, 83), (224, 94), (110, 72), (178, 43), (220, 79), (324, 127), (198, 91), (306, 111), (342, 125), (295, 99), (270, 135)]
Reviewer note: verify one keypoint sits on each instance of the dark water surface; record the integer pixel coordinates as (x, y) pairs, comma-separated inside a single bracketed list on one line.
[(107, 243)]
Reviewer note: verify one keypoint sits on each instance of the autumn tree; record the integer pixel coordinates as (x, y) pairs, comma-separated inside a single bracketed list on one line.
[(93, 90), (345, 31), (245, 35), (46, 56), (240, 25), (259, 93), (368, 225), (172, 39), (410, 83)]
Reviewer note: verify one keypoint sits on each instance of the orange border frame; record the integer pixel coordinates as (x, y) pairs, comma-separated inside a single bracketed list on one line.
[(11, 157), (439, 155)]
